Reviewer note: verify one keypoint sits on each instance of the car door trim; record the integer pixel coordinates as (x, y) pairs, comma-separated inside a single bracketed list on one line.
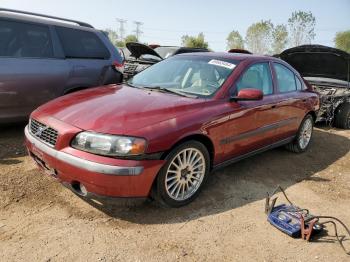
[(258, 131), (252, 153)]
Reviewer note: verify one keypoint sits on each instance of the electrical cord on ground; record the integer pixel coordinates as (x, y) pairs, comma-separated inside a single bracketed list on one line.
[(331, 220), (339, 238)]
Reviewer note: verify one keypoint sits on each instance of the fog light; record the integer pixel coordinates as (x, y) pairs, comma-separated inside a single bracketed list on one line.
[(83, 190), (79, 189)]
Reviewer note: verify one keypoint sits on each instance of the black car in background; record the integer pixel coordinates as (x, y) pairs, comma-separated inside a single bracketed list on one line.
[(327, 69), (142, 56)]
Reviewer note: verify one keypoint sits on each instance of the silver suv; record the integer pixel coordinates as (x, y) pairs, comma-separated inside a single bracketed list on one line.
[(43, 57)]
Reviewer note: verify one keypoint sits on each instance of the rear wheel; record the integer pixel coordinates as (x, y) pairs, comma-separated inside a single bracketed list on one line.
[(303, 138), (182, 177), (342, 116)]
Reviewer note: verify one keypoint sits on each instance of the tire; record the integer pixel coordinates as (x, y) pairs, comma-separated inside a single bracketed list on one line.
[(303, 137), (179, 182), (342, 116)]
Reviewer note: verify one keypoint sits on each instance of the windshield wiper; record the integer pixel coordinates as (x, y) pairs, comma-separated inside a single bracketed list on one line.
[(169, 90), (128, 84)]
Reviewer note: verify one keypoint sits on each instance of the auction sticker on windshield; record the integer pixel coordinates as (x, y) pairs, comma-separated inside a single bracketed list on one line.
[(221, 63)]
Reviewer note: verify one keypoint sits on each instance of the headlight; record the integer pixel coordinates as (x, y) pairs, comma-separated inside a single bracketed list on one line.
[(109, 145)]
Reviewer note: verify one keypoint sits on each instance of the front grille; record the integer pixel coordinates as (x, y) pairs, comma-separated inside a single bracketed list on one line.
[(42, 132)]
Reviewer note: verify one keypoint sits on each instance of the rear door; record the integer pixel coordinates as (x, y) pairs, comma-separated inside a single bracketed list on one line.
[(87, 56), (253, 124), (30, 74), (290, 100)]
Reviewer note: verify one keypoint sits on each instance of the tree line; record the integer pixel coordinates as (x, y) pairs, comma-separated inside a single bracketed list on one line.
[(266, 38), (262, 37)]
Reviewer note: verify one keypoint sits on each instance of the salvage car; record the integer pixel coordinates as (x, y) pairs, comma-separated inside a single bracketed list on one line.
[(43, 57), (327, 69), (163, 132), (142, 56)]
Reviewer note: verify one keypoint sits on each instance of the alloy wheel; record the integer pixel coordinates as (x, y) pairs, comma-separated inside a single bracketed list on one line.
[(305, 133), (185, 174)]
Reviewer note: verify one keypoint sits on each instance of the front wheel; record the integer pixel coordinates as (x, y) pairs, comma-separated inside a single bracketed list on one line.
[(303, 137), (182, 177)]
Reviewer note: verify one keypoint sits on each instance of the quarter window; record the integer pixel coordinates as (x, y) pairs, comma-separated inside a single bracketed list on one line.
[(257, 76), (81, 44), (298, 83), (285, 78), (24, 40)]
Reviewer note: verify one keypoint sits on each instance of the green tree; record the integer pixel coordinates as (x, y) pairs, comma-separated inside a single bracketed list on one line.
[(301, 28), (127, 39), (120, 43), (280, 38), (112, 35), (342, 40), (259, 37), (235, 40), (194, 41), (130, 38)]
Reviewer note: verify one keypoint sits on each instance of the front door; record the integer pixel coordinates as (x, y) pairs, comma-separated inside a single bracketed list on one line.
[(252, 125)]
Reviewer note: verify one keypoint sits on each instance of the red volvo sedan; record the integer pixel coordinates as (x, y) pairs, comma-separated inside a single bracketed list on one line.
[(162, 133)]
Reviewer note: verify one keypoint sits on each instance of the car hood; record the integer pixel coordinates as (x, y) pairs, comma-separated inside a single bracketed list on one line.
[(318, 61), (137, 50), (117, 109)]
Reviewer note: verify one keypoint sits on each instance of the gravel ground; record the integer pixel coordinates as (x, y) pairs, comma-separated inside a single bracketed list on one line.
[(40, 220)]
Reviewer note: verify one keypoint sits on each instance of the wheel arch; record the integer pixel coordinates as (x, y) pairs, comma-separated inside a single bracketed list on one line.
[(313, 114), (205, 140)]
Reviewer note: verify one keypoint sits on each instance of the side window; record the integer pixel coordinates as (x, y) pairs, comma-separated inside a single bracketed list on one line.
[(81, 44), (24, 40), (285, 78), (257, 76), (298, 83)]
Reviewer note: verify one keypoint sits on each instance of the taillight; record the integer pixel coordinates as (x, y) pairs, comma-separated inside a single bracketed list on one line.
[(118, 66)]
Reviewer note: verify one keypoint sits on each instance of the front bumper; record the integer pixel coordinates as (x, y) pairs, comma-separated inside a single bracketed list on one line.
[(118, 178)]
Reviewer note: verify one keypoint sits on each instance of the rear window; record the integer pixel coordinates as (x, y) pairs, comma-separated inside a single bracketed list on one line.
[(24, 40), (81, 44)]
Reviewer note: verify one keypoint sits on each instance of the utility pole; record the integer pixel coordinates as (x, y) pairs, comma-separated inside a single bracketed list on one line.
[(121, 28), (138, 31)]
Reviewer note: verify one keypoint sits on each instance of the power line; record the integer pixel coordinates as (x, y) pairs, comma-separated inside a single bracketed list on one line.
[(138, 31), (185, 31), (220, 32), (151, 37), (121, 27)]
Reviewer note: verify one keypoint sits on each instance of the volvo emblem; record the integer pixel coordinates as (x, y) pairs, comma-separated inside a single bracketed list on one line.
[(40, 130)]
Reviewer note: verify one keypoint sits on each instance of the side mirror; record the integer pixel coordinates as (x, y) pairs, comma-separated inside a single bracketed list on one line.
[(248, 94)]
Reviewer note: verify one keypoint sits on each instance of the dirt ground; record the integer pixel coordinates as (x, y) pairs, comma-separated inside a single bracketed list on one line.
[(40, 220)]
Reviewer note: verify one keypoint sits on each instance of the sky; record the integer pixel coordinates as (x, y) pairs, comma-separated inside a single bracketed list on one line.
[(166, 21)]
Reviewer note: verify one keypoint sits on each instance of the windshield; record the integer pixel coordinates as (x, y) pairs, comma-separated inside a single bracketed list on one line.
[(200, 76)]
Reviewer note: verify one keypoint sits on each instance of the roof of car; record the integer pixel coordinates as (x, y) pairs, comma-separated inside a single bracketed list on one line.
[(233, 56), (41, 20)]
